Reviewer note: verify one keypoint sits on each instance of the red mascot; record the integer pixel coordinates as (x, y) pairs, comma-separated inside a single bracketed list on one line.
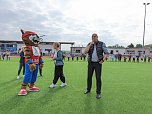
[(32, 61)]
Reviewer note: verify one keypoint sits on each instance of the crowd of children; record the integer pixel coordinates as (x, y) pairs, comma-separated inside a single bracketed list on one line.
[(78, 57), (130, 58), (5, 55)]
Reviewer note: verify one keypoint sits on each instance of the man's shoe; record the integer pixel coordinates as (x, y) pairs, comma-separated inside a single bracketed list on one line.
[(98, 96), (34, 89), (22, 92), (52, 85), (86, 92)]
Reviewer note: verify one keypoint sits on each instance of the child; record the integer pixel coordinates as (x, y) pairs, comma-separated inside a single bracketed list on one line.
[(134, 58), (40, 69), (58, 61), (22, 63)]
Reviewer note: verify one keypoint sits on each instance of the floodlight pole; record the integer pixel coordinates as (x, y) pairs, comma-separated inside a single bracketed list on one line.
[(145, 4)]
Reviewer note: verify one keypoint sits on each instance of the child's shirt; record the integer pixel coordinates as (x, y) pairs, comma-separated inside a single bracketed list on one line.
[(58, 58)]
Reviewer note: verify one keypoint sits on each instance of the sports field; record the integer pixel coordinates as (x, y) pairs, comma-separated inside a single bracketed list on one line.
[(127, 89)]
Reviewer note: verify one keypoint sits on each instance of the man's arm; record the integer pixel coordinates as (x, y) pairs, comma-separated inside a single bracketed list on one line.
[(106, 53), (105, 50), (86, 50)]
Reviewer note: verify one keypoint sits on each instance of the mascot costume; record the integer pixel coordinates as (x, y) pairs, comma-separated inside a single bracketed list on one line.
[(32, 61)]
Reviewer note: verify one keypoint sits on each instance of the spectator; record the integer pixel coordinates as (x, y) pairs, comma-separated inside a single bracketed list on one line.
[(3, 55), (138, 58), (129, 57), (145, 58), (120, 57), (69, 57), (84, 57), (40, 69), (125, 58), (134, 58), (0, 55), (7, 55), (116, 57), (149, 58), (21, 63), (81, 56), (77, 57), (72, 57)]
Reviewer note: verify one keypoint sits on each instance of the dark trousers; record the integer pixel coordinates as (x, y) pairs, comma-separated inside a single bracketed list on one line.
[(72, 58), (98, 68), (40, 71), (133, 59), (145, 59), (3, 57), (77, 58), (124, 59), (129, 60), (22, 65), (58, 73)]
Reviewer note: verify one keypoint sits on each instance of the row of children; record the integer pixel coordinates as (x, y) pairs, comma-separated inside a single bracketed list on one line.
[(5, 55), (130, 58), (81, 57)]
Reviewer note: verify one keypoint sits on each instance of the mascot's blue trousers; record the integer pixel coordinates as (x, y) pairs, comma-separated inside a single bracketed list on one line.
[(30, 77)]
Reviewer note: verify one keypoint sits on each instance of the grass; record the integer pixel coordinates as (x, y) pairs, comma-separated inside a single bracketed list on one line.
[(126, 89)]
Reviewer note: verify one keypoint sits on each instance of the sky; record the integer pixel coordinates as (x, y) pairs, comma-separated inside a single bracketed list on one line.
[(115, 21)]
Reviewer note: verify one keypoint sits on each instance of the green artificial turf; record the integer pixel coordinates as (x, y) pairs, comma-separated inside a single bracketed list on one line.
[(126, 89)]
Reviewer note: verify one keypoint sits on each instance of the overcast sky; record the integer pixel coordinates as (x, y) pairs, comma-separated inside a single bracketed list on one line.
[(115, 21)]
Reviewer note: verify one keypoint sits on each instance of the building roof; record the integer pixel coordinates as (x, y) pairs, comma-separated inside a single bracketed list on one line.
[(21, 42), (77, 47)]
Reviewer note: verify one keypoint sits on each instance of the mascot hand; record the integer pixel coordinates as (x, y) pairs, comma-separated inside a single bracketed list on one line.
[(32, 67), (41, 66)]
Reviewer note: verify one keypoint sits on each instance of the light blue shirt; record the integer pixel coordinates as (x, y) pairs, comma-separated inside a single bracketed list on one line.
[(55, 56), (58, 58), (94, 55)]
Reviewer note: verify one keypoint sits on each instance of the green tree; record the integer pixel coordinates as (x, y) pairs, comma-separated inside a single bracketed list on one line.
[(139, 46), (131, 46)]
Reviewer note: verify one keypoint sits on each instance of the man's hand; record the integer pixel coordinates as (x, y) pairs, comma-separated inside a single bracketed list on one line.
[(102, 61), (104, 58), (91, 43), (86, 50), (32, 67)]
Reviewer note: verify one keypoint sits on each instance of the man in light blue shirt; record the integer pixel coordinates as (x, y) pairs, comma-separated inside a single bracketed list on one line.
[(94, 55), (97, 54)]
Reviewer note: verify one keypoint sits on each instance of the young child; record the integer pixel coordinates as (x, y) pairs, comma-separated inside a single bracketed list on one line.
[(21, 62), (59, 63)]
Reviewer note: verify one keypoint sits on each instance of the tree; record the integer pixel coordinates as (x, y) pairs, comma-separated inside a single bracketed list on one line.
[(148, 46), (116, 46), (139, 46), (131, 46)]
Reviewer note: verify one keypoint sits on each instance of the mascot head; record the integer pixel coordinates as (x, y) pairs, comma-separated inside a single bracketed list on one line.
[(30, 38)]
